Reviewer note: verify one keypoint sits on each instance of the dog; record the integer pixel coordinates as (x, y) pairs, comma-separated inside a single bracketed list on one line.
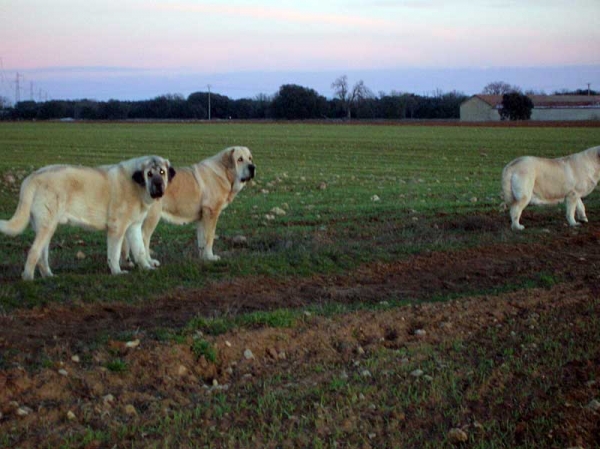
[(537, 180), (114, 198), (199, 194)]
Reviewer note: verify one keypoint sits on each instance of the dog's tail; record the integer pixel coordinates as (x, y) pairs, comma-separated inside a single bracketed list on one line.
[(507, 183), (19, 221), (506, 186)]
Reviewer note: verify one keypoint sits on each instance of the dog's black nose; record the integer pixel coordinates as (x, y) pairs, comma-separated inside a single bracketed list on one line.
[(157, 189), (252, 168)]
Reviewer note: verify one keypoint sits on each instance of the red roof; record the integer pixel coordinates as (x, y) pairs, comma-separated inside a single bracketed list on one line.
[(549, 101)]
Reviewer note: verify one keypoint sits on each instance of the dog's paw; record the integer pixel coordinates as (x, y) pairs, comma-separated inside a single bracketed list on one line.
[(212, 257), (147, 265), (517, 227), (154, 263)]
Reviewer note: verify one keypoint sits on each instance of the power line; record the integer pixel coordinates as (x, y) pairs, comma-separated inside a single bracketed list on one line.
[(5, 85), (18, 87)]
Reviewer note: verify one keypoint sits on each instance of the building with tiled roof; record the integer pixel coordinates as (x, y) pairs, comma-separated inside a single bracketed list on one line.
[(481, 108)]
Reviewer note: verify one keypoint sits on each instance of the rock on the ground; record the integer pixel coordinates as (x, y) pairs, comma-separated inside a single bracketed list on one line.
[(456, 436), (239, 240), (277, 211), (594, 405)]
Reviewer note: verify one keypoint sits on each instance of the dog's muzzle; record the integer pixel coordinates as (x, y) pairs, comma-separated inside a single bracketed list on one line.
[(251, 170), (157, 187)]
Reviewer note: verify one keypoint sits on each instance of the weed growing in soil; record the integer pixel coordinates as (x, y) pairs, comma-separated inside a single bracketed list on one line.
[(116, 366), (202, 348)]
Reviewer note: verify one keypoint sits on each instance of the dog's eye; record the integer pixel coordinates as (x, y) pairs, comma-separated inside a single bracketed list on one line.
[(241, 159), (162, 172), (149, 173)]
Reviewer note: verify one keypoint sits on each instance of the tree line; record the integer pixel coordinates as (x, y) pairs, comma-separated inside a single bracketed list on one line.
[(290, 102)]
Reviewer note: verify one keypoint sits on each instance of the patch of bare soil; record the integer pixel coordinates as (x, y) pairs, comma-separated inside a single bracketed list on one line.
[(56, 373), (421, 277)]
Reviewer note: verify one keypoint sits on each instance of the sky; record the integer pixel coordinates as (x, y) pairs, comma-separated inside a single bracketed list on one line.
[(140, 49)]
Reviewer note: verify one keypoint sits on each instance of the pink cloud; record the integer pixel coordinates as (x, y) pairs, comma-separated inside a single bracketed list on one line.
[(272, 14)]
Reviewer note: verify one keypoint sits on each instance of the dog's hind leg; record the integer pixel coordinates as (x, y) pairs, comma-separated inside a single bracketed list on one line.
[(206, 233), (138, 251), (522, 190), (572, 201), (201, 237), (580, 211), (125, 255), (39, 249), (43, 262), (114, 243), (516, 209), (148, 227)]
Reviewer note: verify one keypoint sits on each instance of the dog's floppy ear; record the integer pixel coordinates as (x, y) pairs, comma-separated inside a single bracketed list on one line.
[(172, 173), (227, 159), (138, 177)]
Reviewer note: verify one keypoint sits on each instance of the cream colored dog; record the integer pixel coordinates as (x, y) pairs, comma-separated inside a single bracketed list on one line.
[(536, 180), (115, 198), (200, 193)]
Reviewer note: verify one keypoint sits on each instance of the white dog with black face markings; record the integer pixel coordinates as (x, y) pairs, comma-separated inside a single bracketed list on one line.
[(538, 180), (111, 198), (200, 193)]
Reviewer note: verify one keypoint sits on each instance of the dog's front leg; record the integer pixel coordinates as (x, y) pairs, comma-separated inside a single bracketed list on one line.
[(138, 250)]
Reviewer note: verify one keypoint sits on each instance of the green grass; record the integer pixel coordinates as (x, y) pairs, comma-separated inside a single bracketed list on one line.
[(203, 348), (117, 365), (279, 318), (417, 172)]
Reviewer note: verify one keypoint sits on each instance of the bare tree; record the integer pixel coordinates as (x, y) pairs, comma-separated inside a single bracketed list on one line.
[(347, 96), (500, 88)]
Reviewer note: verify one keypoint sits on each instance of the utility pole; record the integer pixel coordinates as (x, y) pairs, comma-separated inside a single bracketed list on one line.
[(17, 89), (209, 101), (589, 84)]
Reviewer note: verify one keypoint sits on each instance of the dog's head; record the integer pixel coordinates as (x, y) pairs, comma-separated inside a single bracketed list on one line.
[(154, 174), (239, 161)]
